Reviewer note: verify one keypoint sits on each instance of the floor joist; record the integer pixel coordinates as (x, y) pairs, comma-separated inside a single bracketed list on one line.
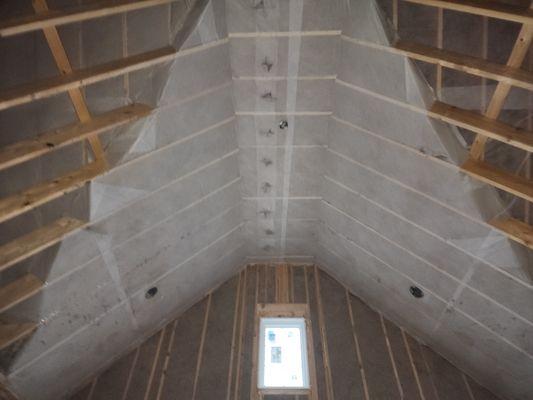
[(10, 332), (44, 192), (49, 87), (18, 291), (496, 177), (36, 241), (516, 230), (74, 14), (484, 8), (482, 125), (466, 63), (47, 142)]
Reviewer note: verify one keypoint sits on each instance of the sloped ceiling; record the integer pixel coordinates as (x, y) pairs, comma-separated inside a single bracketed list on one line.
[(286, 131)]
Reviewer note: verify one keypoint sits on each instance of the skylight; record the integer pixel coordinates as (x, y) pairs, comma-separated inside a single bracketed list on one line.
[(283, 354)]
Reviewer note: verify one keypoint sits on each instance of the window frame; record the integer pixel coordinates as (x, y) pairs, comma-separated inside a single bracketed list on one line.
[(283, 322), (284, 310)]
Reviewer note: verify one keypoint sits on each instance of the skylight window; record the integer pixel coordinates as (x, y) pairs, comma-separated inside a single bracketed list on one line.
[(283, 354)]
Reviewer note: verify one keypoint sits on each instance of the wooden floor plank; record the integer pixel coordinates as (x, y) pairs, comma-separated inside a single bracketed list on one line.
[(70, 15), (496, 177), (483, 125), (26, 93), (466, 63), (26, 150), (484, 8), (42, 193), (516, 230), (10, 332), (36, 241), (18, 291)]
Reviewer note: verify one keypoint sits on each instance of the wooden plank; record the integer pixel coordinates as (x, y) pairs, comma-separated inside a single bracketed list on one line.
[(10, 332), (213, 374), (48, 87), (466, 63), (70, 15), (47, 142), (485, 8), (63, 64), (36, 241), (44, 192), (482, 125), (518, 231), (375, 356), (346, 379), (520, 49), (447, 379), (496, 177), (18, 291), (282, 284), (406, 375), (323, 371), (111, 383)]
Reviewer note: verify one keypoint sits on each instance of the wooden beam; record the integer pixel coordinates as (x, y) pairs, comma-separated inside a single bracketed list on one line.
[(44, 192), (36, 241), (70, 15), (485, 8), (466, 63), (514, 184), (497, 101), (18, 291), (50, 141), (516, 230), (482, 125), (48, 87), (63, 64), (10, 332)]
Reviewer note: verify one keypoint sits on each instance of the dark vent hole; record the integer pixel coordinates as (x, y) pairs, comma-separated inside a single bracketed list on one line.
[(416, 292), (151, 292)]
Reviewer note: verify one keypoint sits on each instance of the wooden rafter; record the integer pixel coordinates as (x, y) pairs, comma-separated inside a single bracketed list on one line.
[(501, 92), (466, 63), (52, 18), (63, 64), (28, 149), (484, 8)]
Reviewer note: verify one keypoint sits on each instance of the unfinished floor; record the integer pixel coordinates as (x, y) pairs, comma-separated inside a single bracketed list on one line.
[(205, 353)]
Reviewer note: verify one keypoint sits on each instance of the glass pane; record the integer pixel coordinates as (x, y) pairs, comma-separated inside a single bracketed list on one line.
[(282, 353)]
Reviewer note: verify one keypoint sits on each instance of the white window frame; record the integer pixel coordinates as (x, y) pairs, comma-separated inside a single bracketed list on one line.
[(283, 322), (284, 310)]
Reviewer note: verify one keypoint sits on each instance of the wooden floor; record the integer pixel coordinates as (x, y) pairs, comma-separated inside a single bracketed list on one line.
[(207, 352)]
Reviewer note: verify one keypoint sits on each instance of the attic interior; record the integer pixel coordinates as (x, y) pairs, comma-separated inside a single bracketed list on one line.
[(266, 199)]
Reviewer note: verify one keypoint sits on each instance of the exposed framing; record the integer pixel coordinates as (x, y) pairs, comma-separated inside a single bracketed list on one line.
[(284, 310)]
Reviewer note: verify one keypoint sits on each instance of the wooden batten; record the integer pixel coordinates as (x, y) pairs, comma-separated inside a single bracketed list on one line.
[(496, 177), (50, 141), (484, 8), (10, 332), (466, 63), (49, 87), (516, 230), (18, 291), (73, 14), (42, 193), (482, 125), (36, 241)]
